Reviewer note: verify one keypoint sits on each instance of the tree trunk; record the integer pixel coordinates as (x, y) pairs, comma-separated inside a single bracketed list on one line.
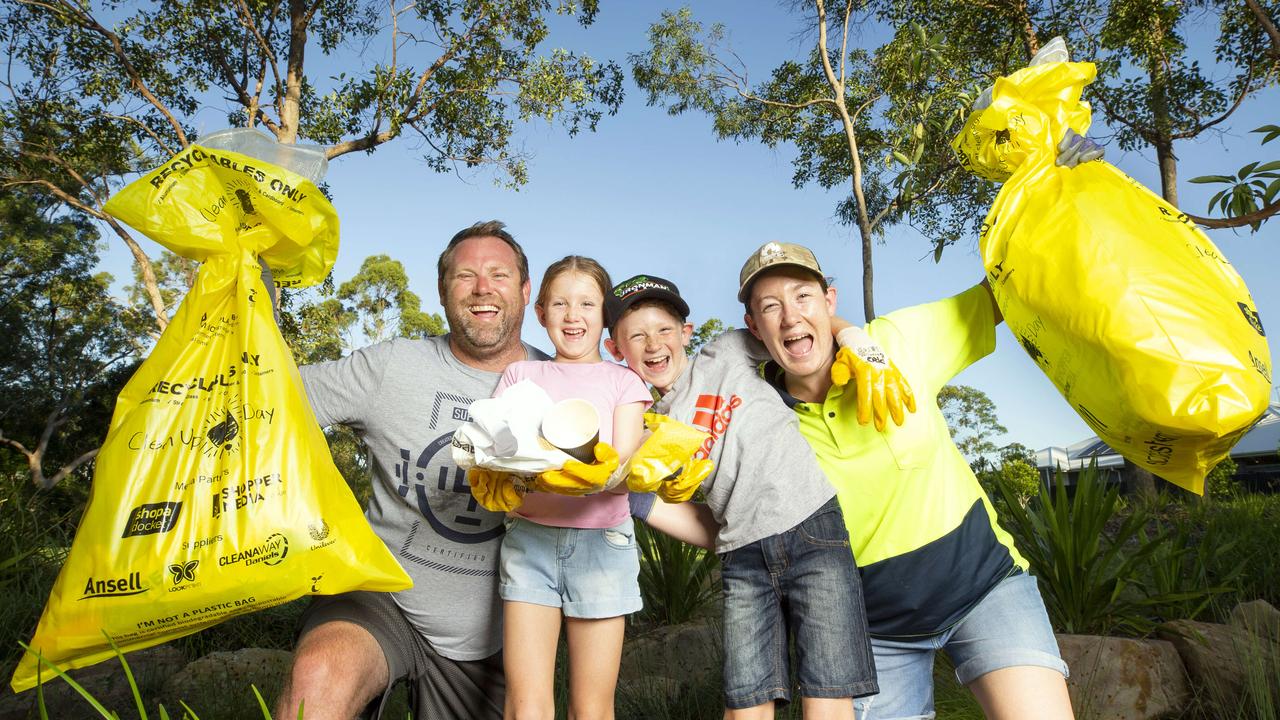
[(1137, 481), (291, 103), (1162, 124), (851, 136), (1168, 163)]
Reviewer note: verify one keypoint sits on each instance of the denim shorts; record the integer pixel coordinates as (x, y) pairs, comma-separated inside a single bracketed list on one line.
[(1007, 628), (799, 589), (588, 573)]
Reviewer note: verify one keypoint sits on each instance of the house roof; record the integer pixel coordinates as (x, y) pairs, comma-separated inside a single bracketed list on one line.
[(1262, 439)]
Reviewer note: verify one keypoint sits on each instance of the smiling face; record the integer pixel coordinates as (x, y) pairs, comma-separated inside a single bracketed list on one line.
[(484, 299), (572, 311), (791, 314), (652, 340)]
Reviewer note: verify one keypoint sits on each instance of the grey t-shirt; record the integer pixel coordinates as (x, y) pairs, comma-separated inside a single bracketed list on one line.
[(405, 398), (766, 479)]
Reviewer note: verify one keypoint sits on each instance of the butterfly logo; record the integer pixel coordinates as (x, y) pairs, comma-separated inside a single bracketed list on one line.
[(184, 571)]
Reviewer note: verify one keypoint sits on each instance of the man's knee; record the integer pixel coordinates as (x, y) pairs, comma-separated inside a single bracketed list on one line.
[(339, 663)]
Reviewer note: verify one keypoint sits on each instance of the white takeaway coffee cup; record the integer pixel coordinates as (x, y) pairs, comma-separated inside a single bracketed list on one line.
[(573, 426)]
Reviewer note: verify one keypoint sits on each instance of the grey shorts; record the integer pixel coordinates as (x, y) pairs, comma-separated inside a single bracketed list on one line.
[(439, 688)]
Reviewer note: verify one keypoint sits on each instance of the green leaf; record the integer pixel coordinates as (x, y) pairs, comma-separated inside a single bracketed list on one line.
[(266, 714), (1212, 179), (128, 673), (1266, 167), (897, 155), (1244, 171), (74, 685)]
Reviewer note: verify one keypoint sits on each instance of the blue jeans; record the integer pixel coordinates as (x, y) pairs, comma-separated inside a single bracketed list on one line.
[(1007, 628), (800, 588)]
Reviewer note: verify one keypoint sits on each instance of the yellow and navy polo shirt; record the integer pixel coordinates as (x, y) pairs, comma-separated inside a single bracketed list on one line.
[(923, 531)]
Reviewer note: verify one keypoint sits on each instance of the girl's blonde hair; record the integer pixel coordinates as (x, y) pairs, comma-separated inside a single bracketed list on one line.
[(578, 264)]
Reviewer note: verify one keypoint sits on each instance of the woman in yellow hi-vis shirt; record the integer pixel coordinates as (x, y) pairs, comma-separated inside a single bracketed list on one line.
[(938, 572)]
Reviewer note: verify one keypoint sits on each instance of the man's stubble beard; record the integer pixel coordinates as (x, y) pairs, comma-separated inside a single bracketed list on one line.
[(483, 343)]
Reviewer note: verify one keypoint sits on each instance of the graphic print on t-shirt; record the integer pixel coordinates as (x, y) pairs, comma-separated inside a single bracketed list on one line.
[(437, 488), (713, 413)]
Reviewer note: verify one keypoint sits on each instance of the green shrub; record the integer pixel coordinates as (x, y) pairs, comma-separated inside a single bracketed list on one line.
[(1090, 581), (1252, 523), (1221, 482), (675, 579)]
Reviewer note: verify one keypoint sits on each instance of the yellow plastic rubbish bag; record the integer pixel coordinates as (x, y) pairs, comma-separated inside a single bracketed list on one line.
[(664, 462), (214, 494), (1136, 317)]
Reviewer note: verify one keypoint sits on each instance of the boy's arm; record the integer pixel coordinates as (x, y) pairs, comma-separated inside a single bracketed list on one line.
[(688, 522)]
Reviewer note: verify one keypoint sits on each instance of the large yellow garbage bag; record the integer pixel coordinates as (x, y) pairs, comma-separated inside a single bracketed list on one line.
[(1135, 316), (214, 494)]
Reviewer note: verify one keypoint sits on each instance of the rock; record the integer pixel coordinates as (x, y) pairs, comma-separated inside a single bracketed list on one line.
[(689, 653), (1219, 659), (106, 682), (1124, 679), (1259, 618), (218, 684)]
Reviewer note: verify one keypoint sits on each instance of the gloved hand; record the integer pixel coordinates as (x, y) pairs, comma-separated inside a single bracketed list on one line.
[(680, 487), (1076, 149), (579, 478), (881, 389), (495, 490), (667, 456)]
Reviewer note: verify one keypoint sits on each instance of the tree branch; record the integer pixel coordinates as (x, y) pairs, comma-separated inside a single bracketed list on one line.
[(1201, 127), (88, 22), (268, 57), (441, 61), (1256, 216), (1272, 32)]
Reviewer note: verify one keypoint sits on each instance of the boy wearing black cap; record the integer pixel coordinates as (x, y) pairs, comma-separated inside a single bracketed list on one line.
[(784, 551)]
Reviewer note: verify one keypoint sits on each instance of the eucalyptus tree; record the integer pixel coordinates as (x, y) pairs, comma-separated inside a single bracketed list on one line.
[(876, 120), (97, 92), (66, 351)]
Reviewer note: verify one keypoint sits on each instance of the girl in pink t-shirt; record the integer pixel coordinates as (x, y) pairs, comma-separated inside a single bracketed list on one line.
[(575, 556)]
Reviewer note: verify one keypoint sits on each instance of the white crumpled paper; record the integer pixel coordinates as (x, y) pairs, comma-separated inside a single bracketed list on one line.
[(505, 433)]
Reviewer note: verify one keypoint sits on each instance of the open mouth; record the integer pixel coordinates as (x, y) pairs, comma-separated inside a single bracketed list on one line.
[(658, 365), (798, 345), (574, 333), (484, 312)]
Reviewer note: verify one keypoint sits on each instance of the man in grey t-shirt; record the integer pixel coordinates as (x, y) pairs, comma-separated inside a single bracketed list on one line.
[(405, 398)]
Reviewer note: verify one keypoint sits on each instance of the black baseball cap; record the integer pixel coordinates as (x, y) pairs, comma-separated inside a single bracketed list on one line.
[(641, 287)]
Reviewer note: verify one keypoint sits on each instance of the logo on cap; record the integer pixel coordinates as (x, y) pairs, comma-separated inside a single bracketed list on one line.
[(771, 253)]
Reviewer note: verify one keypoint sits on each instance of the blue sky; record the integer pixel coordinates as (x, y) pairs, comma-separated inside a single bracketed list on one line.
[(651, 193)]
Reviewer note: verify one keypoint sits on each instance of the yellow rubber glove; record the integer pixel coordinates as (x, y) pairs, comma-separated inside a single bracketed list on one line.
[(665, 459), (669, 445), (881, 389), (579, 478), (495, 490), (681, 487)]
